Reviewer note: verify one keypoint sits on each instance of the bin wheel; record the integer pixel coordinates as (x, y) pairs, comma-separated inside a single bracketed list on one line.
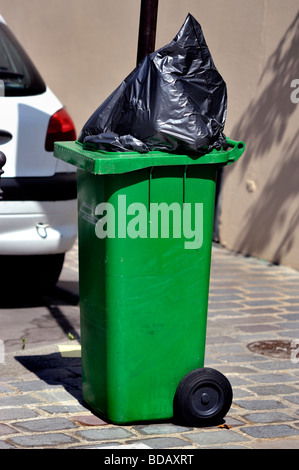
[(203, 397)]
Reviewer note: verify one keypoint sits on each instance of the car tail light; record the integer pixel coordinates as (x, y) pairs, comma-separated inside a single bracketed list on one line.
[(61, 127)]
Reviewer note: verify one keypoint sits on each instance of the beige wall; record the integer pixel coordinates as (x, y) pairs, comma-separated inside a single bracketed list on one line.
[(260, 195), (85, 48)]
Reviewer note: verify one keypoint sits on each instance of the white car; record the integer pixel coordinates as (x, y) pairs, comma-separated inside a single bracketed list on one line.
[(38, 210)]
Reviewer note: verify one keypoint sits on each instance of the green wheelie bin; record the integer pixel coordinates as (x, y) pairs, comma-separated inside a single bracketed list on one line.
[(145, 225)]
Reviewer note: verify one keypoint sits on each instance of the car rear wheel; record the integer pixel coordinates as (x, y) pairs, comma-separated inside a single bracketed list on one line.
[(29, 276)]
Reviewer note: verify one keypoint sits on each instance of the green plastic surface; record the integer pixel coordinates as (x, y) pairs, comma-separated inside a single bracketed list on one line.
[(143, 301), (102, 162)]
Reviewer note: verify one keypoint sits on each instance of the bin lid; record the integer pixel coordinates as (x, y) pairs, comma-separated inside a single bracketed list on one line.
[(100, 162)]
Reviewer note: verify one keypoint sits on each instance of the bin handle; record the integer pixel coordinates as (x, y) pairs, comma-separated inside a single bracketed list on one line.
[(238, 148)]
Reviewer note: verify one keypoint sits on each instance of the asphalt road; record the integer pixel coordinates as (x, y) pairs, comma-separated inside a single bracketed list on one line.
[(43, 320)]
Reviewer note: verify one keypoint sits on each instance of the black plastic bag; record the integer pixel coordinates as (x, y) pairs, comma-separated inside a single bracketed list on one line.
[(174, 100)]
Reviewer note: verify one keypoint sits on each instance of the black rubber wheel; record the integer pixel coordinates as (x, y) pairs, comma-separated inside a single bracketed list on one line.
[(27, 276), (203, 397)]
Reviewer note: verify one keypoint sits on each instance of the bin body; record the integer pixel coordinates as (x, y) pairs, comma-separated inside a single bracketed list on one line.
[(143, 289)]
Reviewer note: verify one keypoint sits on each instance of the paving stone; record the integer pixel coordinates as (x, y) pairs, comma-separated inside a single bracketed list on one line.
[(238, 381), (163, 442), (257, 319), (242, 358), (59, 409), (261, 302), (277, 365), (263, 294), (232, 422), (269, 417), (281, 444), (290, 287), (18, 400), (290, 317), (292, 308), (224, 305), (5, 445), (161, 429), (16, 413), (266, 289), (227, 314), (273, 378), (53, 376), (293, 300), (111, 445), (104, 433), (261, 310), (270, 431), (292, 399), (259, 404), (225, 291), (6, 429), (240, 393), (54, 396), (4, 389), (117, 446), (31, 385), (273, 389), (258, 328), (224, 297), (43, 440), (88, 420), (289, 334), (220, 340), (222, 436), (45, 424), (237, 369), (290, 325), (230, 349)]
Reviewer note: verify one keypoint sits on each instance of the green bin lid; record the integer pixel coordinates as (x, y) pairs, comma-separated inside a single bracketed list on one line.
[(100, 162)]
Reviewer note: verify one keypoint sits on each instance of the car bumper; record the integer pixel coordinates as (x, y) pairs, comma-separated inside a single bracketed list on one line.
[(59, 187), (34, 227)]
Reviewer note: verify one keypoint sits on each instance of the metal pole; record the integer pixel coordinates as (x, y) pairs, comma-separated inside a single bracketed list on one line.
[(2, 163), (147, 28)]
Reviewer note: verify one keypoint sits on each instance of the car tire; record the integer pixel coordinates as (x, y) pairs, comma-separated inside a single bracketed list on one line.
[(30, 276)]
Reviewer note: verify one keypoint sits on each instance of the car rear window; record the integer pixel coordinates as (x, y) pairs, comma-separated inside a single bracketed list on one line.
[(18, 75)]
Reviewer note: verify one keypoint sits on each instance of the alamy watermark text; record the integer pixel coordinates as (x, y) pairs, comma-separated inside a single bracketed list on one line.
[(295, 92), (161, 221)]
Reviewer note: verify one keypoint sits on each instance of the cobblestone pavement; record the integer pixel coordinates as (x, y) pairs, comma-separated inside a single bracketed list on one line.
[(253, 325)]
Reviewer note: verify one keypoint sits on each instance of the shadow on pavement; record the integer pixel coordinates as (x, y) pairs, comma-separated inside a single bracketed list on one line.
[(40, 319), (64, 293), (54, 369)]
